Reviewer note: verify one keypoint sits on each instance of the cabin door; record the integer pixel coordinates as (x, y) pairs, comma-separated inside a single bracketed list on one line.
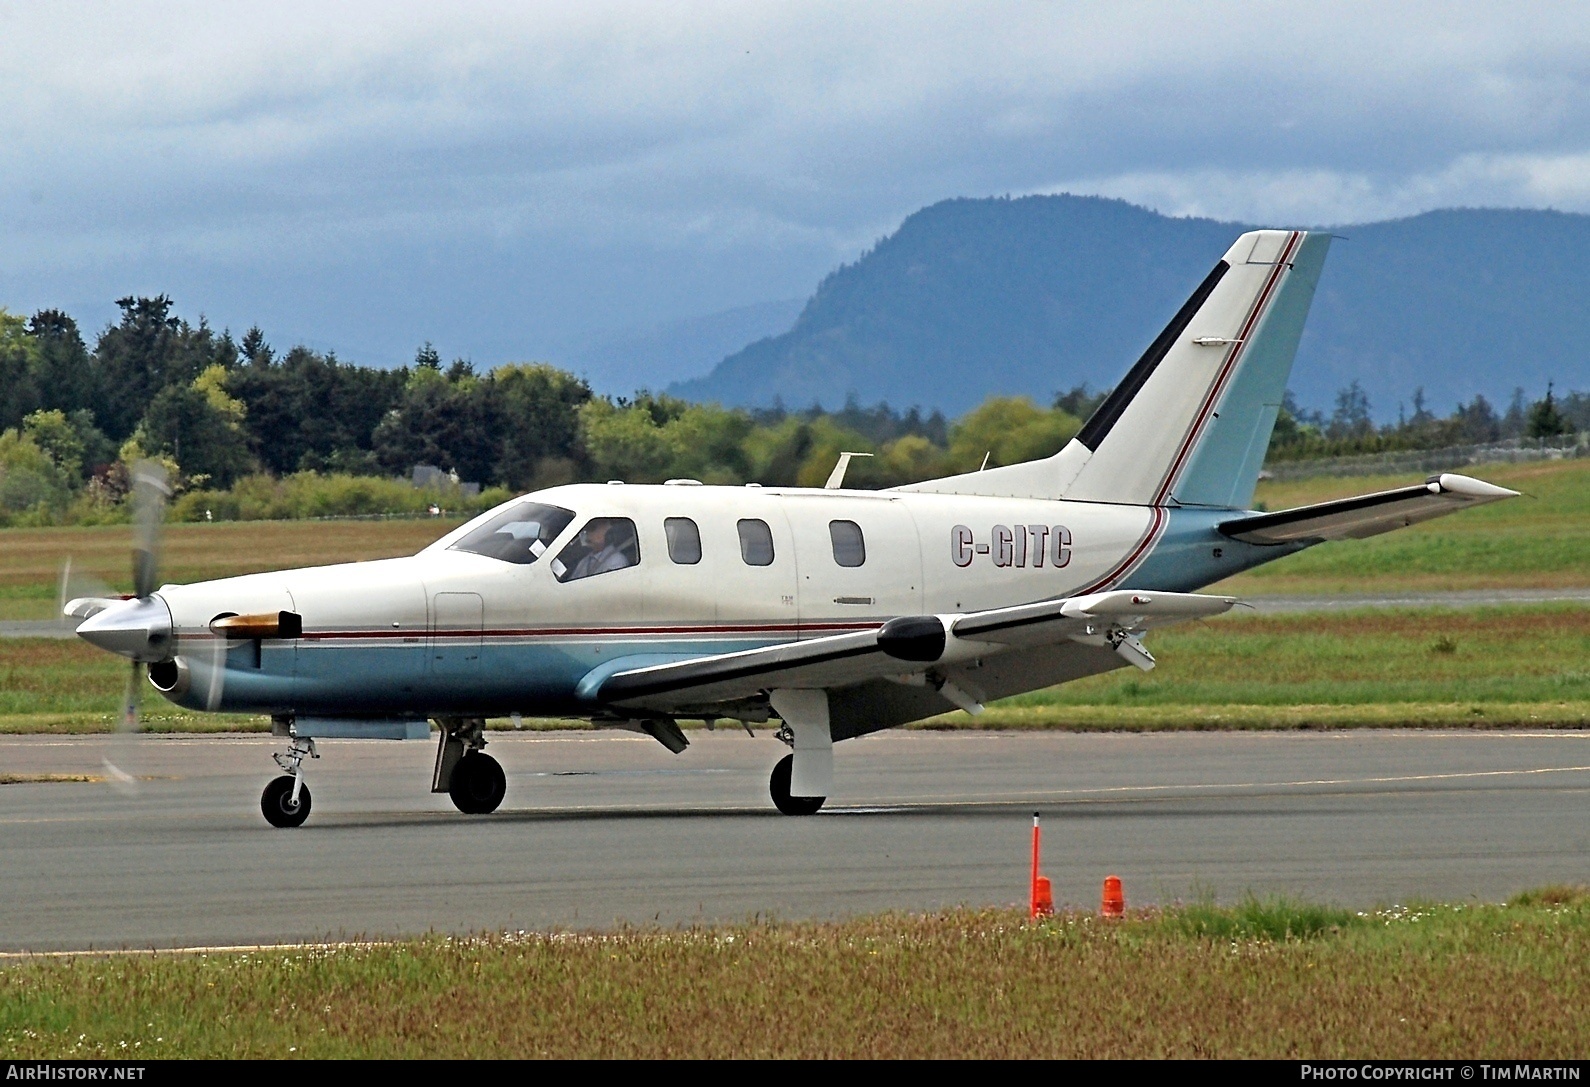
[(860, 561)]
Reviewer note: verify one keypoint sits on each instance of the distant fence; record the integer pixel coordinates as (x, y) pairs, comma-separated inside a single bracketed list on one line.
[(1432, 460)]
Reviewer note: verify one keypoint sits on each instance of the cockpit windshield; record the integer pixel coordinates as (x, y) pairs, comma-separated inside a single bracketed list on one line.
[(518, 534)]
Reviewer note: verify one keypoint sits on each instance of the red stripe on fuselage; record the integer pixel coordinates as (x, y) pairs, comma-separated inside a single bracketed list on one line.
[(1138, 553), (566, 632)]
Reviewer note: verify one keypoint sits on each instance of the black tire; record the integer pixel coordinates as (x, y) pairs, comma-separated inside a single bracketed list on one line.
[(277, 803), (778, 785), (478, 784)]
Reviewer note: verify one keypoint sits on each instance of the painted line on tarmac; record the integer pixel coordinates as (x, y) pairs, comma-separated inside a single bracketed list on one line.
[(1120, 790), (220, 949)]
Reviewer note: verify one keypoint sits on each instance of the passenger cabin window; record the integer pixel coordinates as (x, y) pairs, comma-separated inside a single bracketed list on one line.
[(756, 542), (604, 545), (849, 547), (518, 534), (684, 540)]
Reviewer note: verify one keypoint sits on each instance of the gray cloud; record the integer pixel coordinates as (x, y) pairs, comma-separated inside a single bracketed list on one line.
[(517, 179)]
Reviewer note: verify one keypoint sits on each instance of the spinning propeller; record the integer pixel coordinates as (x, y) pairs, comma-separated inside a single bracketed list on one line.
[(138, 627)]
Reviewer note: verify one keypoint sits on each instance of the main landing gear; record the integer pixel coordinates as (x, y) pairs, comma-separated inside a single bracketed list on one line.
[(803, 779), (473, 779), (779, 787), (285, 801)]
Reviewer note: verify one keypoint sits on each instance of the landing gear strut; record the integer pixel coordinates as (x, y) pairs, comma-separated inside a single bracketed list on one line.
[(803, 779), (285, 802), (779, 787), (473, 779)]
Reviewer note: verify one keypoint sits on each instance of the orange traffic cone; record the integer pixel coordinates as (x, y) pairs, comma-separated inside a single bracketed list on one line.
[(1114, 902), (1041, 898)]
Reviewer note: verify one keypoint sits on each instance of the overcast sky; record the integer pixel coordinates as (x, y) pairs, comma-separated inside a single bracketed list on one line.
[(518, 180)]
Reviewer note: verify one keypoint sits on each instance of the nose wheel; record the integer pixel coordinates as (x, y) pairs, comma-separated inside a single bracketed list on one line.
[(285, 801), (478, 784)]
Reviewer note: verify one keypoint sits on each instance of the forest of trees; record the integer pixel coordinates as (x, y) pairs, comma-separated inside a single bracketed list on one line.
[(248, 432)]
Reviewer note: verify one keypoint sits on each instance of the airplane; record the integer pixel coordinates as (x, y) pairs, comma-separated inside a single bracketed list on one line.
[(838, 612)]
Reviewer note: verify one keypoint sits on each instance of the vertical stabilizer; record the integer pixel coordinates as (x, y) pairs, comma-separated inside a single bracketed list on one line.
[(1191, 421)]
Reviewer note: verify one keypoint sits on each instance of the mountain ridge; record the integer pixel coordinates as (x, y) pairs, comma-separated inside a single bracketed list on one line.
[(972, 297)]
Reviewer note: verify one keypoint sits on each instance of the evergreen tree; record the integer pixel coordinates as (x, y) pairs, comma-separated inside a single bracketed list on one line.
[(1476, 422), (149, 351), (63, 371), (1545, 421), (1351, 417), (18, 369)]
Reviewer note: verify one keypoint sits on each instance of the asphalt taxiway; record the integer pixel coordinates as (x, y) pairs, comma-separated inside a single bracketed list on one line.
[(608, 828)]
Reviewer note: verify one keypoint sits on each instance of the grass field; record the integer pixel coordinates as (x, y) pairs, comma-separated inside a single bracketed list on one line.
[(30, 558), (1539, 541), (1447, 667), (1435, 667), (1542, 541), (1260, 979)]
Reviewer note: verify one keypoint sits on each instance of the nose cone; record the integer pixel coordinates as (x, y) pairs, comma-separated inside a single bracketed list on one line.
[(140, 629)]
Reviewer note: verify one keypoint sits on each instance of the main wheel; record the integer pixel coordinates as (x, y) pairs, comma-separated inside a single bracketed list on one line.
[(779, 787), (478, 784), (277, 803)]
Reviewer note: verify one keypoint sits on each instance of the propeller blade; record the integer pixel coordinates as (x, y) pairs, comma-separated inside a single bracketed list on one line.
[(89, 593), (60, 601), (150, 491), (65, 580), (217, 685), (118, 778), (129, 704)]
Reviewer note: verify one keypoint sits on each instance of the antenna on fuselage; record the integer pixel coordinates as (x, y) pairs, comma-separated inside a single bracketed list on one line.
[(836, 478)]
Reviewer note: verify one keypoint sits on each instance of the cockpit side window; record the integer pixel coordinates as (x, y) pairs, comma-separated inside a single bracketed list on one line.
[(520, 533), (604, 545)]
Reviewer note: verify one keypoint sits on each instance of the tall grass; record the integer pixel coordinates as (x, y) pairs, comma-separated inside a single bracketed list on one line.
[(1437, 981), (1254, 918)]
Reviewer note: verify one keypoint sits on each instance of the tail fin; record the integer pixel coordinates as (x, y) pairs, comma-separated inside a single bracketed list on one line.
[(1191, 421)]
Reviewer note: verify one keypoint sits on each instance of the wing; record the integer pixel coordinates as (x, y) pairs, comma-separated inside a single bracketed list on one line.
[(1366, 515), (904, 648)]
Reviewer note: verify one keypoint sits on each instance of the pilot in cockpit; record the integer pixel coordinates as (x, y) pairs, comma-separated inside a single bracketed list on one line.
[(612, 546)]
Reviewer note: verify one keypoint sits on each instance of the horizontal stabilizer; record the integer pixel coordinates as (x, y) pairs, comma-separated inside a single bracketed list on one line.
[(1366, 515)]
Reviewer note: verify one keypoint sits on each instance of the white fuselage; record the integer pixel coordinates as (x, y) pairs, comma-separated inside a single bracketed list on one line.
[(449, 631)]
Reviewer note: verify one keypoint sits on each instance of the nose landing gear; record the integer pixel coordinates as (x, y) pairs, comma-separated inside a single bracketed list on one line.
[(285, 802)]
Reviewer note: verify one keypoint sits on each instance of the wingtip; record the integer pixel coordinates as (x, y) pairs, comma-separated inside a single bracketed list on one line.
[(1469, 487)]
